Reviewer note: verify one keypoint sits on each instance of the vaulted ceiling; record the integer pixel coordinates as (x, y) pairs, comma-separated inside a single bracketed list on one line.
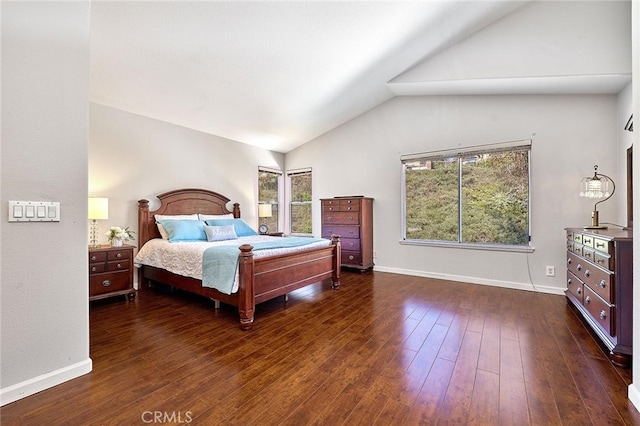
[(272, 74)]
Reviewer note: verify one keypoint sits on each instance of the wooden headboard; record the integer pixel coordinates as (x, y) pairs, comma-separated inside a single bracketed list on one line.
[(180, 201)]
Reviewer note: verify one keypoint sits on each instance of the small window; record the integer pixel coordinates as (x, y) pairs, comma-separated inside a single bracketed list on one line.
[(300, 202), (269, 182), (476, 196)]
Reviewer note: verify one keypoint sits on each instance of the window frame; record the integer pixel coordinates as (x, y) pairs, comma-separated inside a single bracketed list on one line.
[(291, 203), (278, 201), (460, 153)]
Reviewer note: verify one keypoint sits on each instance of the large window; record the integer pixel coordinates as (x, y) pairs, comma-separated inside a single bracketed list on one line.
[(300, 201), (269, 194), (474, 196)]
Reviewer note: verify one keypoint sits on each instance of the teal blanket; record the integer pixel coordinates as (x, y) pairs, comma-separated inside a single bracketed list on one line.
[(220, 264)]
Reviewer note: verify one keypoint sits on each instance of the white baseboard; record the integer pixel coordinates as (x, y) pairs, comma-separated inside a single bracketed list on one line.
[(634, 395), (473, 280), (44, 381)]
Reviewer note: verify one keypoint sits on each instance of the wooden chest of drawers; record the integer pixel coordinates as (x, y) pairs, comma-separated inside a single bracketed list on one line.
[(352, 219), (600, 285), (111, 272)]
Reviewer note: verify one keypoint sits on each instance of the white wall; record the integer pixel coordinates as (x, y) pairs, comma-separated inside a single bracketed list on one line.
[(133, 157), (548, 38), (570, 135), (44, 332)]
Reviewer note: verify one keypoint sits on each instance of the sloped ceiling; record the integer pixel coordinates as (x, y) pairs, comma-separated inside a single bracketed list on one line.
[(273, 74)]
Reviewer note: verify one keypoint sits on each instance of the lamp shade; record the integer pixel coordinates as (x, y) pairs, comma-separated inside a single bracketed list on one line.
[(98, 208), (264, 210)]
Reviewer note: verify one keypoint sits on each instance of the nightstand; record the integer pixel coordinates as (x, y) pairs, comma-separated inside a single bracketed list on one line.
[(111, 272), (275, 234)]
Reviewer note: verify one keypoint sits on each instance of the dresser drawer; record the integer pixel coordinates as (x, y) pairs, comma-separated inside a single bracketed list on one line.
[(343, 231), (107, 283), (602, 245), (601, 311), (604, 260), (350, 244), (349, 205), (574, 286), (600, 280), (343, 218), (587, 240), (351, 257)]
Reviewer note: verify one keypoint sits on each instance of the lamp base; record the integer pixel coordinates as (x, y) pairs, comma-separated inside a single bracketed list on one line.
[(595, 227)]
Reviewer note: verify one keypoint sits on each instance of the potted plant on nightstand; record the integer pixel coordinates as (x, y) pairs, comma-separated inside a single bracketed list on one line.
[(118, 235)]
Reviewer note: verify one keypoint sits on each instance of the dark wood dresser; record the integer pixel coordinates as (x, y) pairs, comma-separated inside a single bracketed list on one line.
[(352, 219), (111, 272), (600, 285)]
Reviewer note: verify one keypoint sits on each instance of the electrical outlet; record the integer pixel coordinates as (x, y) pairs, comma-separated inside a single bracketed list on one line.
[(551, 271)]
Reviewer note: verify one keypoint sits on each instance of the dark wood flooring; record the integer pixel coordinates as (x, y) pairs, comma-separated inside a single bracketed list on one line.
[(384, 349)]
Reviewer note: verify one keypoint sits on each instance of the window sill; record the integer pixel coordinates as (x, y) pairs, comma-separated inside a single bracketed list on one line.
[(490, 247)]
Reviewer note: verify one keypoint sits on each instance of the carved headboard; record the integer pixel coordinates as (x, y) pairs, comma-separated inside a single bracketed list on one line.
[(180, 201)]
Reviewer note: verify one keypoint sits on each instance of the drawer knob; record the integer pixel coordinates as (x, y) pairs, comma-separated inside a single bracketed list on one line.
[(602, 284), (106, 283), (93, 269), (329, 218), (587, 300), (351, 244), (568, 282), (93, 258), (119, 266), (568, 261), (351, 257), (586, 273), (579, 267), (579, 290), (349, 208), (119, 255), (350, 217), (603, 315), (600, 245)]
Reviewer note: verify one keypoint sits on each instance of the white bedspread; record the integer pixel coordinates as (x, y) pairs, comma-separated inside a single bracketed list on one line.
[(185, 258)]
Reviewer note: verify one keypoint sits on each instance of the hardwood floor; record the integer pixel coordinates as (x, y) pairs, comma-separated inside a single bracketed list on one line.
[(384, 349)]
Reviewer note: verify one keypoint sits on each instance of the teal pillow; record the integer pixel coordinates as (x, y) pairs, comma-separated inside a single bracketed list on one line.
[(184, 230), (241, 227)]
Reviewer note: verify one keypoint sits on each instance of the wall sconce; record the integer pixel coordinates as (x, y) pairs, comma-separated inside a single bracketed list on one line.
[(597, 187), (98, 210), (264, 210)]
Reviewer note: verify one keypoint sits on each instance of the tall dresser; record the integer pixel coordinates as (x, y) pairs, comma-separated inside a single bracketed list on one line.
[(600, 285), (352, 219)]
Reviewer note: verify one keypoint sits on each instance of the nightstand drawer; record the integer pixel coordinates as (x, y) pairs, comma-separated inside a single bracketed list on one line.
[(96, 268), (119, 254), (351, 257), (107, 283), (97, 256), (118, 265)]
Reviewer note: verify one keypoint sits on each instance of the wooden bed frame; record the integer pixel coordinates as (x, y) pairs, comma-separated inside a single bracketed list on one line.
[(259, 279)]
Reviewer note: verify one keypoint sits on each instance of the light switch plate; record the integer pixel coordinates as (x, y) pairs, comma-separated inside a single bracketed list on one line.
[(34, 211)]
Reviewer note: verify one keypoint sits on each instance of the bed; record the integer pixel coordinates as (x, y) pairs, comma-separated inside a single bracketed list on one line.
[(258, 278)]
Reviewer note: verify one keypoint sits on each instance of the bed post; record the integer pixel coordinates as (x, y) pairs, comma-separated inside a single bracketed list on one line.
[(236, 210), (246, 289), (337, 261), (143, 236)]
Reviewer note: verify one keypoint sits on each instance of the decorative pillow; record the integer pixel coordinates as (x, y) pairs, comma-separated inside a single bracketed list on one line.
[(215, 216), (241, 227), (220, 233), (184, 230), (160, 217)]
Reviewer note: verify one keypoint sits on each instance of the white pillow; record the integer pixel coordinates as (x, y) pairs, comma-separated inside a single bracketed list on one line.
[(215, 216), (161, 229), (220, 233)]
